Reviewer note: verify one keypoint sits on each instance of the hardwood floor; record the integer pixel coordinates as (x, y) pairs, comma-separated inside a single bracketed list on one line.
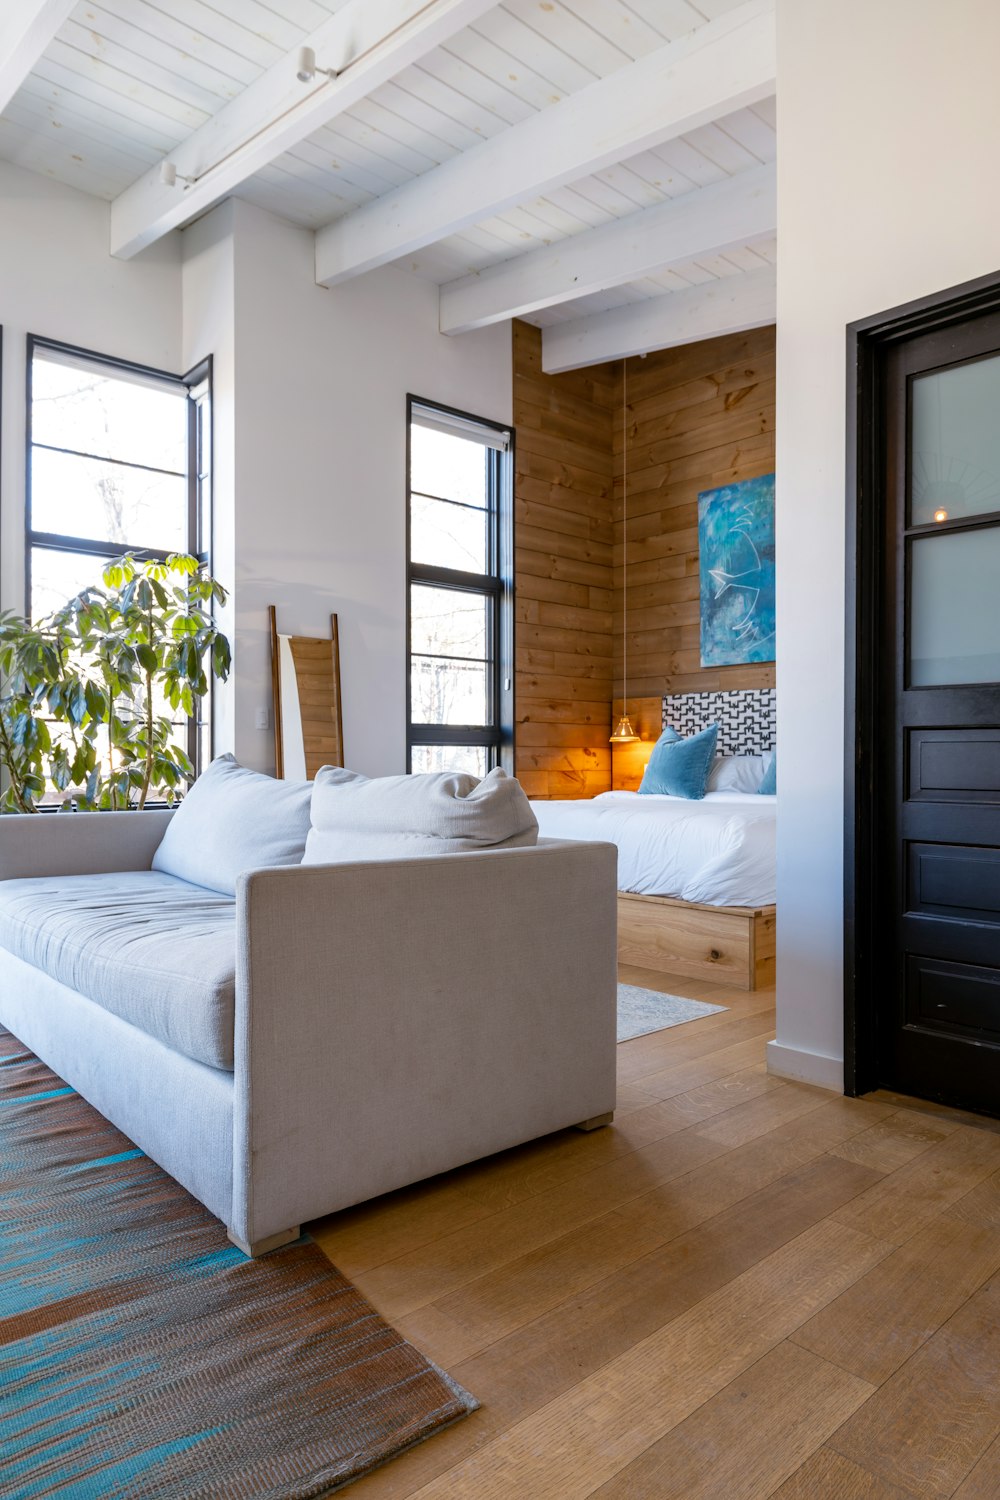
[(745, 1287)]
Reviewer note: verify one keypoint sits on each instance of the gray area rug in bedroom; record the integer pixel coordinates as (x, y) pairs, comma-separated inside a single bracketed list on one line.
[(641, 1011)]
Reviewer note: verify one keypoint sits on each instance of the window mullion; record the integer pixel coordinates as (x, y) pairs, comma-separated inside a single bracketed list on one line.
[(105, 458), (53, 541), (453, 578)]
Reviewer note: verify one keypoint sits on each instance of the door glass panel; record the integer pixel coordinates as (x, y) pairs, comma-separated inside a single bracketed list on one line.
[(955, 608), (955, 443)]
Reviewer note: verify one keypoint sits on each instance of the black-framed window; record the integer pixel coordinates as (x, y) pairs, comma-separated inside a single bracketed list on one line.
[(460, 631), (118, 460)]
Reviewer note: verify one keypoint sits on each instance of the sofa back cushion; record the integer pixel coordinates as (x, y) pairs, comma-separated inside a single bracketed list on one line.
[(398, 817), (233, 820)]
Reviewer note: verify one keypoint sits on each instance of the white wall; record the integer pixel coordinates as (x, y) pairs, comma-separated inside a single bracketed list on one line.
[(57, 279), (322, 378), (888, 122), (309, 424)]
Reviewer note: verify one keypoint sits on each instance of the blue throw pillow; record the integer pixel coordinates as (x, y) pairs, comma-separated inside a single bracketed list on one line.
[(769, 786), (679, 768)]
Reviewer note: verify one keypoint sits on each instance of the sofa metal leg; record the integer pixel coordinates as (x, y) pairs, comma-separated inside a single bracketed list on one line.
[(264, 1247), (596, 1121)]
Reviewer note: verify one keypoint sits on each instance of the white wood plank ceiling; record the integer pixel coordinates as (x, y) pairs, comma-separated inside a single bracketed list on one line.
[(121, 85)]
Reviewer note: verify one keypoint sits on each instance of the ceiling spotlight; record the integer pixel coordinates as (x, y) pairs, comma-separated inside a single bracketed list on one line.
[(170, 177), (307, 69)]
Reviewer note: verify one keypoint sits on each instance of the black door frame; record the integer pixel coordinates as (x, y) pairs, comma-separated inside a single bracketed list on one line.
[(868, 344)]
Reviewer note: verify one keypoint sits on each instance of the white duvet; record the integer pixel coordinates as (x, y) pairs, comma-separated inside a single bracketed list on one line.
[(719, 851)]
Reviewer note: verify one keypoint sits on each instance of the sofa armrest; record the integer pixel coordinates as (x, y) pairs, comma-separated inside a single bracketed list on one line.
[(397, 1018), (78, 843)]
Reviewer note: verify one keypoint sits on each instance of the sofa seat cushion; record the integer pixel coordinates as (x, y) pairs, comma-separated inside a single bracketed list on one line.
[(152, 949)]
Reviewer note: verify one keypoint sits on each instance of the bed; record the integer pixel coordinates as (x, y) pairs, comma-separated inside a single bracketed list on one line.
[(696, 880)]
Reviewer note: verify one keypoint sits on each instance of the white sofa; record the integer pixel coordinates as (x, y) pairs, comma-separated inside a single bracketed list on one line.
[(389, 1020)]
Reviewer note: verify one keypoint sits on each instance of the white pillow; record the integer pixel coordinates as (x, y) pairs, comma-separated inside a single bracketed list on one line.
[(400, 817), (232, 820), (736, 773)]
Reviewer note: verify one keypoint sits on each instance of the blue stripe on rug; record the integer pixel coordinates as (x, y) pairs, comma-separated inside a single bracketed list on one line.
[(143, 1356)]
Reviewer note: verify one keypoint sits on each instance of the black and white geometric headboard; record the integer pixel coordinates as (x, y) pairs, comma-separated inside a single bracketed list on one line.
[(746, 718)]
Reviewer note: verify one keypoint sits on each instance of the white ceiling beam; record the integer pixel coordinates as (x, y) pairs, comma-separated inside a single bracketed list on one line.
[(26, 29), (730, 305), (709, 221), (720, 67), (367, 41)]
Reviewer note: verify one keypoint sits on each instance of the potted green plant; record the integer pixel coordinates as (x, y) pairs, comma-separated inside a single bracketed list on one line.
[(89, 696)]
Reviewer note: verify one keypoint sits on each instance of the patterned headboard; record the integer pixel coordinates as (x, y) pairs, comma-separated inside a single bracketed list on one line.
[(746, 718)]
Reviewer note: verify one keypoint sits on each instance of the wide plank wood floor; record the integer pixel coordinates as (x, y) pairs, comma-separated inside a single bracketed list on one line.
[(745, 1287)]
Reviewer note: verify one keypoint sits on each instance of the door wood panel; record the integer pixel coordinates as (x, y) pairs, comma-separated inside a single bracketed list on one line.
[(956, 1000), (953, 881), (954, 765)]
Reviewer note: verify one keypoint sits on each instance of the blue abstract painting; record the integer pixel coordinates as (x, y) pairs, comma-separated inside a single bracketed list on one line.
[(736, 564)]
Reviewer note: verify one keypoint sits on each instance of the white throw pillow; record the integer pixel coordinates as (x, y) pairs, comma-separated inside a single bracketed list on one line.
[(233, 820), (400, 817), (736, 773)]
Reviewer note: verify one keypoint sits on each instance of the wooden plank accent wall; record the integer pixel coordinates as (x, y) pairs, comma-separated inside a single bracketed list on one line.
[(563, 573), (698, 416)]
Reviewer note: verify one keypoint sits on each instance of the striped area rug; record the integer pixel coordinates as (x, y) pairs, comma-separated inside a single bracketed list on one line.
[(143, 1355)]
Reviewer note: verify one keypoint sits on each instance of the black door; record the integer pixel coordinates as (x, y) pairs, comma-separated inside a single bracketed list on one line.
[(937, 730)]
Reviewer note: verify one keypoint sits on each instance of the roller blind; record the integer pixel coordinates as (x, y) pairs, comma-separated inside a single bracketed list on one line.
[(463, 427), (92, 364)]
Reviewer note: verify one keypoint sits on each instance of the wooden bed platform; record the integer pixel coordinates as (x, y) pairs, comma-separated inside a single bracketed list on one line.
[(730, 944)]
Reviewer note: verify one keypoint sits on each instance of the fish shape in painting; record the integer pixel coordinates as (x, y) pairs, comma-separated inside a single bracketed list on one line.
[(736, 565)]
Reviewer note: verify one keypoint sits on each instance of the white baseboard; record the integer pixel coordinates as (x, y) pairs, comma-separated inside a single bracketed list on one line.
[(806, 1067)]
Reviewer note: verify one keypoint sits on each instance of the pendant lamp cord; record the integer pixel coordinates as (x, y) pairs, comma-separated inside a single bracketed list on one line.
[(625, 537)]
